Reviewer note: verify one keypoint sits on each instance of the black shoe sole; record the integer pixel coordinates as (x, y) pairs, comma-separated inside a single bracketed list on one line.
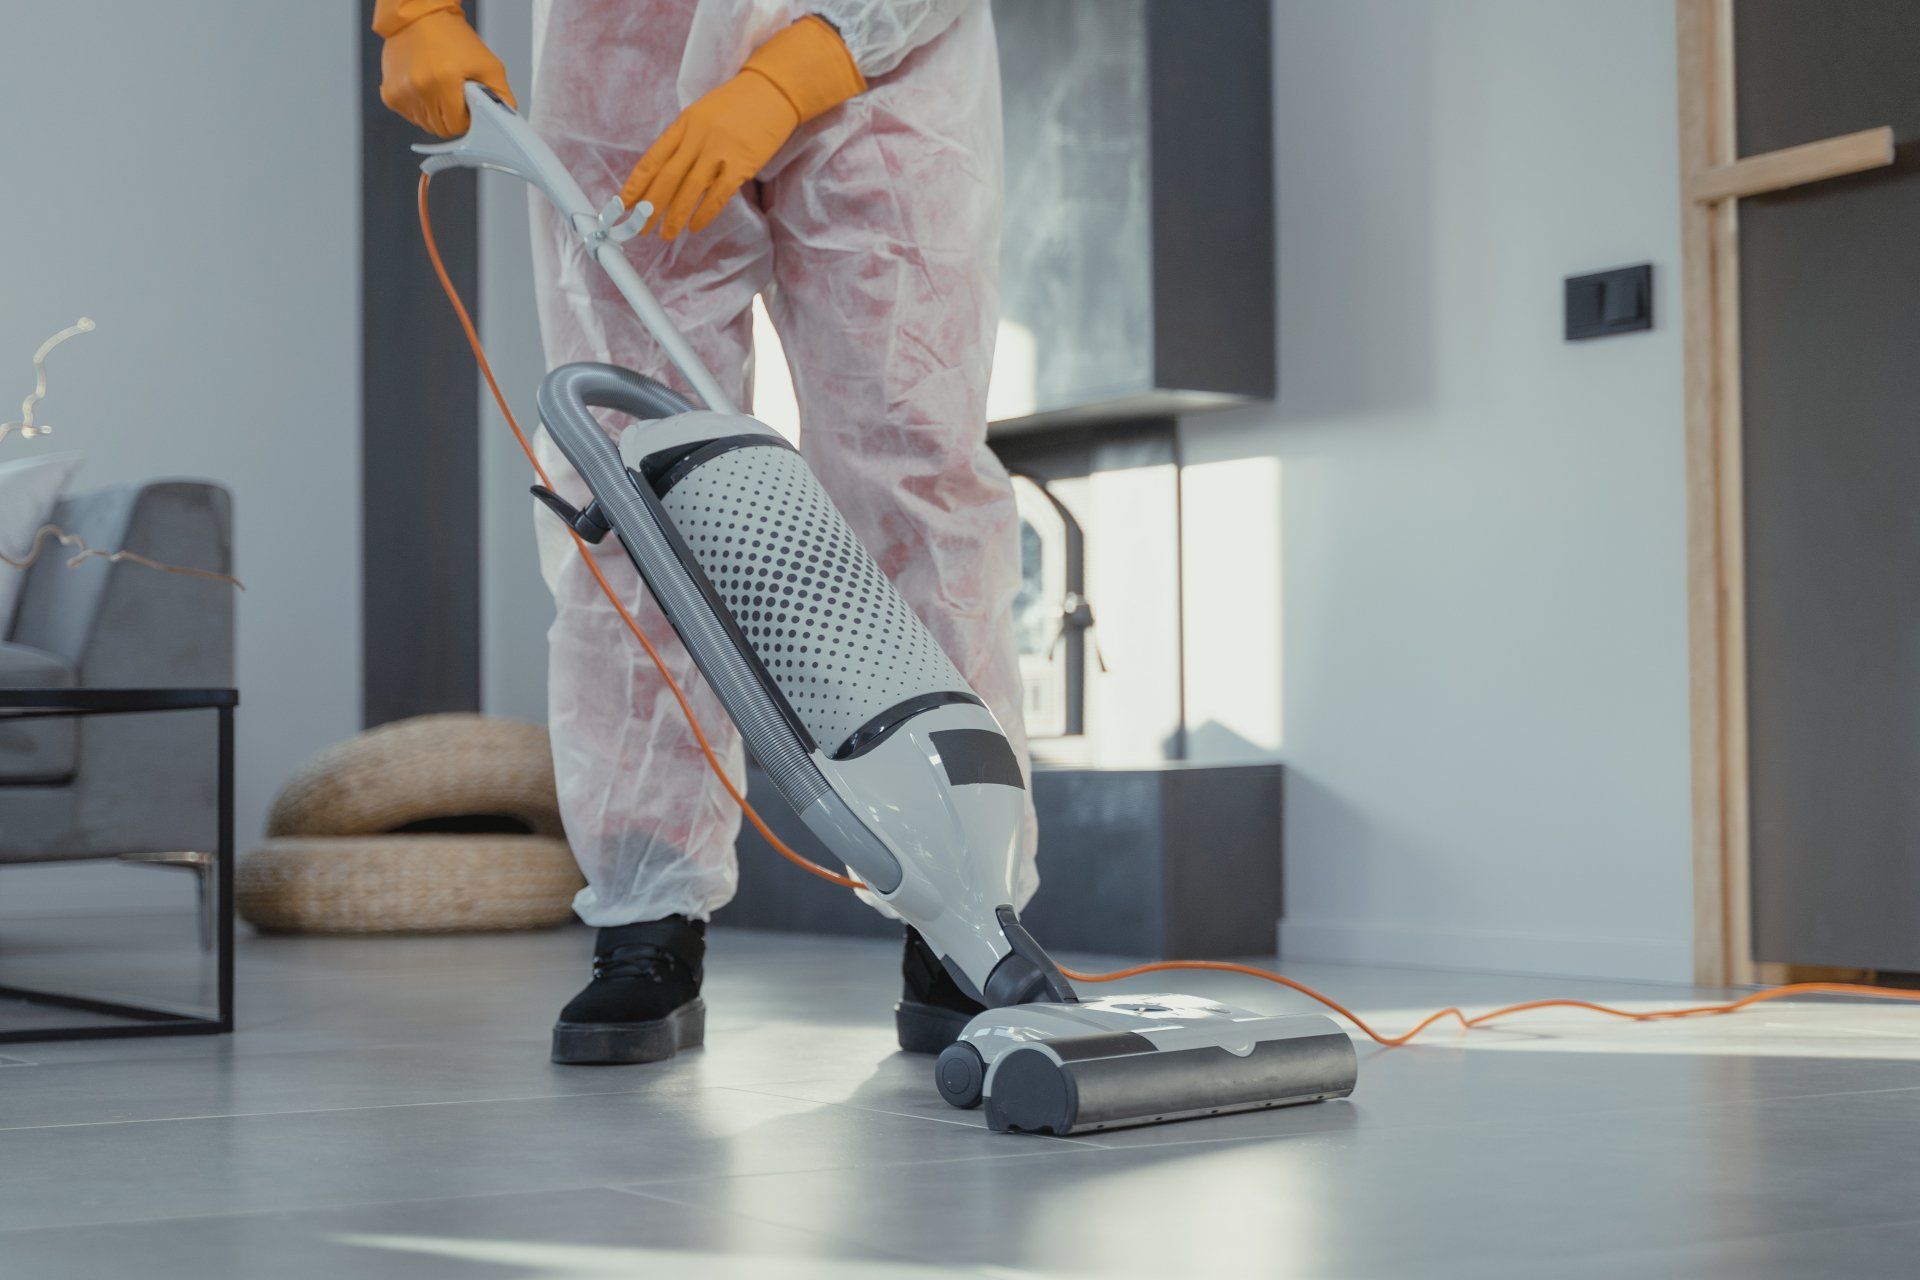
[(927, 1028), (583, 1044)]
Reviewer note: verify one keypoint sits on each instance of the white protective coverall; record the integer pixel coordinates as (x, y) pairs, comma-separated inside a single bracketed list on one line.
[(874, 234)]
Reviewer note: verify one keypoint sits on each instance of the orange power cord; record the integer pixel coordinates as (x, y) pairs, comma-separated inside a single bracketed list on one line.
[(1219, 966), (1482, 1019)]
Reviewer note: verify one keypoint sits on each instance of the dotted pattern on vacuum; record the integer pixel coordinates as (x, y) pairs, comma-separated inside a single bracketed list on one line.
[(838, 640)]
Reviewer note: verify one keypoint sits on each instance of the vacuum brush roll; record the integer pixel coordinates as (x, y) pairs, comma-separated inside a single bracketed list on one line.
[(1077, 1084)]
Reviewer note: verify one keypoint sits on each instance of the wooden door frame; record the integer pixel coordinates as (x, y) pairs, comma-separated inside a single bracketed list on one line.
[(1713, 179)]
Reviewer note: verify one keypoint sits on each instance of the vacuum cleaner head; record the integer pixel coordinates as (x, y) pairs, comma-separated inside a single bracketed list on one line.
[(1139, 1059)]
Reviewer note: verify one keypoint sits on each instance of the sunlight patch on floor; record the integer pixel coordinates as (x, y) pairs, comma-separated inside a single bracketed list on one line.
[(1809, 1029)]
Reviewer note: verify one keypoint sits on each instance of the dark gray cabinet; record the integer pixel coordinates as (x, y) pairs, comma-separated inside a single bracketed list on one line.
[(1830, 355)]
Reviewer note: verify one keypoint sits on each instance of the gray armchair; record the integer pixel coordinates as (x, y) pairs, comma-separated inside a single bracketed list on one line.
[(112, 786)]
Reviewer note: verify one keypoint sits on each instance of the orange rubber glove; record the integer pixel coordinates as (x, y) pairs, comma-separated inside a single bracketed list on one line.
[(731, 133), (429, 56)]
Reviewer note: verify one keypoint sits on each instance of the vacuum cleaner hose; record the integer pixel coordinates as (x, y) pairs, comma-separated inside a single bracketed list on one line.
[(658, 399)]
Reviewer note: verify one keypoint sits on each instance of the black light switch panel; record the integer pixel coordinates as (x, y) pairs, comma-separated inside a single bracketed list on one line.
[(1607, 302)]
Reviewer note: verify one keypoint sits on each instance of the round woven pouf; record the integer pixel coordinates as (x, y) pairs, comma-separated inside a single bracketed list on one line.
[(480, 772), (406, 884)]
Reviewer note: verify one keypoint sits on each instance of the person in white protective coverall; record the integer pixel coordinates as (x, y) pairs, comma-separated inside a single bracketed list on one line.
[(843, 159)]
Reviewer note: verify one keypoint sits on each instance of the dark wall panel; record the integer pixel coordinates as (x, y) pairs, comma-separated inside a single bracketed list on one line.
[(1830, 323), (420, 410), (1812, 69)]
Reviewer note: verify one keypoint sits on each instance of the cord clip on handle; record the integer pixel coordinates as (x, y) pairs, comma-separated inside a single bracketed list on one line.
[(591, 524)]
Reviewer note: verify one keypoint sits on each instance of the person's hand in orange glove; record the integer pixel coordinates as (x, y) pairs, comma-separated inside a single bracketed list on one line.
[(429, 56), (730, 134)]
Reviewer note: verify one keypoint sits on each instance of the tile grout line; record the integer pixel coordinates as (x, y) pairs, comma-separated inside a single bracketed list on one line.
[(229, 1049), (282, 1211), (325, 1111)]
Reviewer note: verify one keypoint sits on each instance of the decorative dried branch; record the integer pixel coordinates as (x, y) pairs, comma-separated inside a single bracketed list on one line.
[(27, 427), (49, 534)]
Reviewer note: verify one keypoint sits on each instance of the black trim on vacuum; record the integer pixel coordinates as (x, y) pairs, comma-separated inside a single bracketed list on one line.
[(1100, 1044), (881, 727), (669, 467), (977, 755), (1026, 974)]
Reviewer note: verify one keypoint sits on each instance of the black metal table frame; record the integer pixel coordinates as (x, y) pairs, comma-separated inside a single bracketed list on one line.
[(35, 704)]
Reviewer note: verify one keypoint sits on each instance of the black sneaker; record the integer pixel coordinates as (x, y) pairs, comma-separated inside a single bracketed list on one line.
[(643, 1004), (933, 1010)]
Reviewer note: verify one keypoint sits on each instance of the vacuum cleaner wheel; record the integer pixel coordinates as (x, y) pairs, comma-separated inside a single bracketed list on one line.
[(959, 1074)]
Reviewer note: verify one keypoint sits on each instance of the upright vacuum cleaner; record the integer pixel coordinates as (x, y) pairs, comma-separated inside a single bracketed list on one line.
[(864, 725)]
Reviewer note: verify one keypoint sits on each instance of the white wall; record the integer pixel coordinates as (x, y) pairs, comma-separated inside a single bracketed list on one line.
[(1463, 624), (188, 176)]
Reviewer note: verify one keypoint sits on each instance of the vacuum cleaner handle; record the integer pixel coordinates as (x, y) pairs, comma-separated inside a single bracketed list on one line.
[(498, 138)]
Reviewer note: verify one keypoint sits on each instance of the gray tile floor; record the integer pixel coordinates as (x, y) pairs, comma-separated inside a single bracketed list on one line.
[(387, 1110)]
